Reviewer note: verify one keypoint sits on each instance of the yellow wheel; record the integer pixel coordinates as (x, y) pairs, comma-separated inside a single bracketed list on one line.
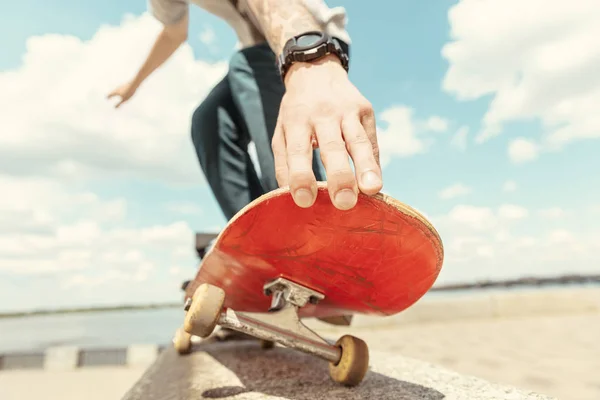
[(267, 344), (182, 341), (354, 363), (203, 315)]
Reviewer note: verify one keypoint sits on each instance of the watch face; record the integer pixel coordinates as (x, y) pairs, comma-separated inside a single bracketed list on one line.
[(308, 40)]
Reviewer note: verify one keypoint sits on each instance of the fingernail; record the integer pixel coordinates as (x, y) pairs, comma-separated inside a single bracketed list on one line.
[(345, 199), (303, 198), (371, 179)]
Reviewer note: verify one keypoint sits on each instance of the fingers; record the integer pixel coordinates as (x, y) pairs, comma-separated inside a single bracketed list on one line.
[(280, 156), (367, 118), (340, 178), (301, 179), (364, 151), (116, 93)]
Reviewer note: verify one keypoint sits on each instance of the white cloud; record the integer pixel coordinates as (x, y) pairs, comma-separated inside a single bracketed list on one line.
[(30, 205), (476, 218), (78, 231), (64, 240), (509, 186), (459, 140), (472, 217), (538, 63), (552, 213), (436, 124), (522, 150), (57, 121), (184, 208), (511, 211), (405, 136), (499, 243), (456, 190)]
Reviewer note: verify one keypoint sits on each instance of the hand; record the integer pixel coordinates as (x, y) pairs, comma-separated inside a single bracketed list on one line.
[(125, 92), (320, 100)]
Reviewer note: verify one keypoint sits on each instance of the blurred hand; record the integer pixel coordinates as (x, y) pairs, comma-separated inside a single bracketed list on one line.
[(321, 103), (125, 92)]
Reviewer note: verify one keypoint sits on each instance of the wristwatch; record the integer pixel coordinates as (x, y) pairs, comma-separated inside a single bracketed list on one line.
[(308, 47)]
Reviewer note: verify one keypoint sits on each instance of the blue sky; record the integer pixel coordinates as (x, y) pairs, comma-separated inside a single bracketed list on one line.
[(87, 181)]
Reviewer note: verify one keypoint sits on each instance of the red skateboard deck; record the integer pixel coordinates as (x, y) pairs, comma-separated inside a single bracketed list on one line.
[(378, 258)]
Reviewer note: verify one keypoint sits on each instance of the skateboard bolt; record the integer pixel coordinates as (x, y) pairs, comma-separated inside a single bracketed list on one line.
[(277, 302)]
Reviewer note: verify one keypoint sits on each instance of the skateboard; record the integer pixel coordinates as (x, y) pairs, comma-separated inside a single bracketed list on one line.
[(276, 263)]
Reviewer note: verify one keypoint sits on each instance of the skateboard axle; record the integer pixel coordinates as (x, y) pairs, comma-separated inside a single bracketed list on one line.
[(282, 324), (283, 327)]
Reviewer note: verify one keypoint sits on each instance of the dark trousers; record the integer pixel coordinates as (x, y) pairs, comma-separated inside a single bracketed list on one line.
[(240, 110)]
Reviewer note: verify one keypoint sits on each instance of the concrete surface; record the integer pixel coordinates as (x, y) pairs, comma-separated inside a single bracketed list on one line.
[(141, 354), (61, 358), (242, 370), (91, 383)]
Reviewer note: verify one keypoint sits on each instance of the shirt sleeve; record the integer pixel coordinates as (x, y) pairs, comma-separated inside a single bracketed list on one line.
[(168, 11)]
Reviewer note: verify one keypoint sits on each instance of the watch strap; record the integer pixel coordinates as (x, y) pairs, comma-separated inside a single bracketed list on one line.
[(293, 53)]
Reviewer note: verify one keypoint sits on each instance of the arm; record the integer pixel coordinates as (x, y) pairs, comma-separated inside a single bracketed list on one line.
[(320, 102), (281, 20), (168, 40)]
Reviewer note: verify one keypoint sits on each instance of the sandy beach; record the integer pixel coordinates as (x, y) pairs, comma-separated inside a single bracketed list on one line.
[(554, 355)]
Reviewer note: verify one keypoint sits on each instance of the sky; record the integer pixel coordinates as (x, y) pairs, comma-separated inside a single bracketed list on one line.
[(488, 123)]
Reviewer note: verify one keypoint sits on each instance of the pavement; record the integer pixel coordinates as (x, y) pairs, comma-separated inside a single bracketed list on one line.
[(244, 371), (91, 383)]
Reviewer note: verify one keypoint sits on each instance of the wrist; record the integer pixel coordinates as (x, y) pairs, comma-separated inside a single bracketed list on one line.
[(329, 65), (311, 51), (136, 81)]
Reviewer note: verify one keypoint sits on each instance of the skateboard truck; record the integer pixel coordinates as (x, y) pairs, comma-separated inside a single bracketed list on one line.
[(284, 291), (348, 358), (282, 324)]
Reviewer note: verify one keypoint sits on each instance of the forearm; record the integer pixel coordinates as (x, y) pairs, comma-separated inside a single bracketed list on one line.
[(281, 20), (164, 46)]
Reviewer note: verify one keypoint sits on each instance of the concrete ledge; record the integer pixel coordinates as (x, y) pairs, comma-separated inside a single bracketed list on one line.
[(242, 370), (61, 358), (141, 354), (72, 357)]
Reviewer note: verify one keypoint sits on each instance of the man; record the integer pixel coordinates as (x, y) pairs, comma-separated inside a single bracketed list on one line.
[(286, 112)]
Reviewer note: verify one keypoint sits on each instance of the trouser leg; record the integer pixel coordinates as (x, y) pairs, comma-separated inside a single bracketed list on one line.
[(257, 91), (220, 138)]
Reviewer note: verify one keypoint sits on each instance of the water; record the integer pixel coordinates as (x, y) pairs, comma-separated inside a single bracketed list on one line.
[(123, 328), (89, 330)]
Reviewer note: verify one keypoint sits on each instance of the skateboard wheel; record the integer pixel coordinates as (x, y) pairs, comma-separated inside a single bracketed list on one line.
[(182, 341), (203, 315), (267, 344), (353, 364)]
